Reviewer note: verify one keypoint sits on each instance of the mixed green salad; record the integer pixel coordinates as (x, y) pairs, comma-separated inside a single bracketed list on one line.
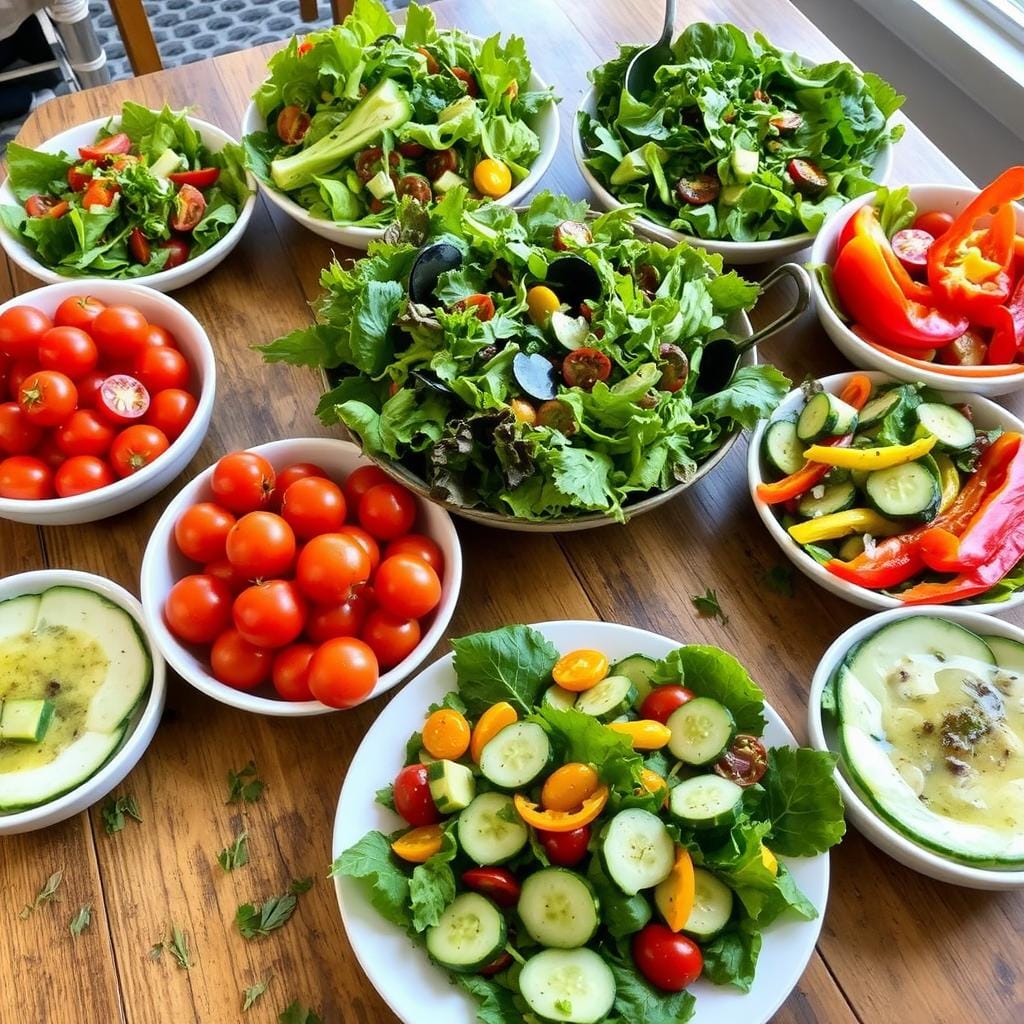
[(358, 116), (147, 195), (535, 362), (588, 840), (738, 140)]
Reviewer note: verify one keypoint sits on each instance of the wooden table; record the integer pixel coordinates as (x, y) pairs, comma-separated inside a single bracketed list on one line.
[(895, 947)]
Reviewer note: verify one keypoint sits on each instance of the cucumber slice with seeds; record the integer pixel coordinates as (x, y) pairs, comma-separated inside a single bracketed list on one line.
[(712, 906), (559, 908), (832, 498), (637, 849), (910, 491), (879, 407), (613, 696), (490, 829), (825, 415), (470, 934), (952, 429), (707, 801), (782, 447), (639, 670), (516, 756), (702, 730), (572, 986), (558, 698)]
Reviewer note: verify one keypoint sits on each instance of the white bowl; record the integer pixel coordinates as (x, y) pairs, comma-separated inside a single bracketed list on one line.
[(213, 138), (732, 253), (544, 123), (987, 415), (860, 813), (143, 722), (979, 380), (163, 565), (141, 486)]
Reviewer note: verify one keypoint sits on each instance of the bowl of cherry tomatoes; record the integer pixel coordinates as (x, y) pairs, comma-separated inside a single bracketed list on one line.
[(106, 393), (297, 578)]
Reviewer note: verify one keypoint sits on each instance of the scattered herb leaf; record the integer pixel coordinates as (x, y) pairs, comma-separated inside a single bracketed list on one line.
[(236, 855), (707, 605), (301, 885), (177, 945), (296, 1013), (780, 579), (114, 811), (255, 922), (47, 894), (156, 950), (81, 920), (254, 992), (245, 785)]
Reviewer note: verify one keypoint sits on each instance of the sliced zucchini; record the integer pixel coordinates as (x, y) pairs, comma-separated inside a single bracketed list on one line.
[(638, 852), (702, 730), (707, 801), (952, 429), (1009, 654), (639, 669), (490, 829), (572, 986), (825, 415), (516, 756), (712, 906), (452, 785), (910, 491), (613, 696), (470, 934), (879, 407), (558, 698), (830, 498), (559, 908), (782, 447)]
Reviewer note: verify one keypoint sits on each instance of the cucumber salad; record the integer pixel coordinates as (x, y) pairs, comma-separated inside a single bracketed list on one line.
[(582, 841)]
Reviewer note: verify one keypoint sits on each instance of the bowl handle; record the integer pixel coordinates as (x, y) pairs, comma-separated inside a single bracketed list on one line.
[(799, 277)]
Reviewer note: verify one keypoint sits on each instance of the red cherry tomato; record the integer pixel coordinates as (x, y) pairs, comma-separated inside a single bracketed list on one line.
[(161, 367), (89, 389), (326, 622), (440, 161), (298, 471), (390, 638), (179, 252), (359, 481), (237, 663), (112, 145), (466, 77), (745, 762), (82, 473), (669, 961), (227, 573), (312, 506), (329, 566), (78, 311), (120, 332), (201, 531), (69, 350), (497, 884), (21, 329), (292, 125), (290, 672), (935, 222), (261, 545), (270, 614), (84, 432), (243, 481), (663, 700), (25, 478), (420, 546), (78, 178), (138, 246), (18, 434), (412, 796), (189, 208), (411, 150), (48, 451), (584, 367), (343, 672), (48, 397), (387, 511), (122, 399), (204, 177), (911, 246), (368, 544), (407, 587), (46, 206), (159, 337), (565, 849), (17, 373), (171, 411), (198, 608), (136, 447)]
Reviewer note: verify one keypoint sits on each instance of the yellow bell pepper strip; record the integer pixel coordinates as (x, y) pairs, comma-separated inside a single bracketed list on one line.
[(651, 782), (490, 723), (768, 860), (646, 734), (674, 895), (420, 844), (842, 524), (561, 821), (949, 480), (870, 459), (580, 670)]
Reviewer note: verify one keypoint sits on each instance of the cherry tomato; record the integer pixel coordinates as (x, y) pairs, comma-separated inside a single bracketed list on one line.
[(120, 332), (139, 247), (571, 234), (261, 545), (411, 150), (669, 961), (136, 447), (745, 762), (304, 47), (48, 397), (227, 573), (421, 547), (270, 614), (297, 471), (699, 189), (25, 478), (89, 389), (807, 176), (112, 145), (387, 511), (565, 849), (202, 177), (662, 701), (201, 531), (935, 222), (584, 367), (347, 618), (497, 884), (18, 372), (482, 305), (100, 192), (468, 80), (77, 311), (432, 66), (370, 161), (416, 186), (492, 178), (21, 330), (179, 252), (85, 432), (78, 178), (292, 124), (406, 587), (189, 207), (18, 434), (312, 506), (82, 473), (159, 337), (557, 415), (171, 410), (785, 122), (161, 367), (440, 161), (911, 246), (69, 350), (368, 544), (243, 481), (504, 960), (359, 481), (343, 672), (198, 608), (675, 367), (329, 566), (567, 787), (237, 663), (122, 399), (390, 638), (290, 672), (412, 796), (46, 206), (580, 670), (446, 734), (48, 451)]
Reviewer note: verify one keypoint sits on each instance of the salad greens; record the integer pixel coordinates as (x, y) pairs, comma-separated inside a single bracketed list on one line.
[(358, 115), (794, 809), (438, 384), (738, 140), (78, 212)]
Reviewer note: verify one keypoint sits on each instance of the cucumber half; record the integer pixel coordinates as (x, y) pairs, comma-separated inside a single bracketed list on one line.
[(782, 447), (825, 415), (558, 698), (470, 934), (490, 829), (559, 908), (707, 801), (452, 786), (638, 851), (832, 498), (879, 407), (572, 986)]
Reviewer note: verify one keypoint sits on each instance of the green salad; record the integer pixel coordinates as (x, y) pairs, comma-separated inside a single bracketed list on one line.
[(586, 854), (535, 363), (738, 140), (358, 116), (146, 195)]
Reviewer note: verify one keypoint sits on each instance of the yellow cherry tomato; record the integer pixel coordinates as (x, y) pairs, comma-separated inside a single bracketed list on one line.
[(523, 411), (645, 734), (446, 734), (675, 895), (541, 302), (567, 788), (768, 860), (491, 722), (652, 782), (580, 670), (561, 821), (420, 844), (492, 178)]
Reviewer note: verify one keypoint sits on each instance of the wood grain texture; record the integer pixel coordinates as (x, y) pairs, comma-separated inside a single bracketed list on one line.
[(895, 947)]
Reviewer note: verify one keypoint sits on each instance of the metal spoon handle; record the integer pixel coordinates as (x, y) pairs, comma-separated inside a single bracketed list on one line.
[(670, 23), (799, 277)]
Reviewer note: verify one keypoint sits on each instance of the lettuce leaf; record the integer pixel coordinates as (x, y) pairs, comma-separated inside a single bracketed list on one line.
[(371, 864), (802, 801), (582, 738)]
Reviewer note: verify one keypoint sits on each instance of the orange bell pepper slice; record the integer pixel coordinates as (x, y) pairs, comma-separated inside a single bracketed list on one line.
[(420, 844), (562, 821), (491, 722), (580, 670), (674, 896), (646, 734), (651, 782)]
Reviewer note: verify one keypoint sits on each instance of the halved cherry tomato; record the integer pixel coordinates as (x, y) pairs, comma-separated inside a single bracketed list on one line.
[(675, 367), (911, 246), (467, 78), (204, 177), (935, 222), (100, 193), (492, 178), (440, 161), (565, 849), (179, 251), (497, 884), (580, 670), (663, 700), (571, 234), (584, 367), (490, 723), (171, 411), (292, 124), (392, 639), (785, 122), (369, 162), (122, 399), (189, 207), (112, 145), (670, 962), (45, 206), (420, 844), (78, 178), (48, 397), (270, 614), (138, 246), (567, 787), (745, 762), (807, 176), (699, 189), (415, 185), (412, 796), (290, 672), (411, 150), (557, 415), (136, 447), (81, 474), (523, 411), (25, 478), (482, 305), (446, 734), (562, 821)]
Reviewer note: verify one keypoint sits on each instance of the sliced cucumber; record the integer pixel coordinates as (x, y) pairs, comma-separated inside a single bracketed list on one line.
[(572, 986), (1009, 654), (879, 407), (559, 908), (490, 829), (637, 849), (613, 696), (782, 447), (558, 698), (712, 906), (831, 498), (516, 756), (452, 785), (952, 429), (639, 669), (707, 801), (910, 491), (470, 934), (825, 415), (702, 730)]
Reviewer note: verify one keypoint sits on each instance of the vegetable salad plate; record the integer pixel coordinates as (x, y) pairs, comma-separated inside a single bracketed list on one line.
[(584, 934)]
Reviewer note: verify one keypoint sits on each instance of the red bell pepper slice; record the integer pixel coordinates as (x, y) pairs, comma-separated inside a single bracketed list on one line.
[(202, 178), (1008, 328), (869, 292)]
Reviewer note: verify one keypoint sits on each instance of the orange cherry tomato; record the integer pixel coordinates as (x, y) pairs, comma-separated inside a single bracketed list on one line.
[(420, 844), (566, 788), (446, 734), (580, 670), (652, 782), (491, 722)]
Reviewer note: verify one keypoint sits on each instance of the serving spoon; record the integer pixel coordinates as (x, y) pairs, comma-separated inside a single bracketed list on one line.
[(640, 73)]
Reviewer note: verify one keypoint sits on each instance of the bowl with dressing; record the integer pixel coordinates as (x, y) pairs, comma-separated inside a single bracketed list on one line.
[(81, 693), (925, 709)]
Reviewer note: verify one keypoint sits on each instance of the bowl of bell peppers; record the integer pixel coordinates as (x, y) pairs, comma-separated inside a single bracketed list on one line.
[(840, 505), (926, 283)]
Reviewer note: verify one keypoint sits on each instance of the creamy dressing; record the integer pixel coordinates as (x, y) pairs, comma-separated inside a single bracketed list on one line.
[(62, 665)]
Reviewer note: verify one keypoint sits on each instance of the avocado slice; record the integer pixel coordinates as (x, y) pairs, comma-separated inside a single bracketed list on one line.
[(744, 163), (25, 720)]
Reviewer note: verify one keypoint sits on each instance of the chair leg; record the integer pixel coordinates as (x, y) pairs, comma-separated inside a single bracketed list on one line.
[(74, 27), (341, 9), (309, 10), (139, 44)]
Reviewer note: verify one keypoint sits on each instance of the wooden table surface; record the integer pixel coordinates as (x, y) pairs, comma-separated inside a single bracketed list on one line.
[(895, 946)]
